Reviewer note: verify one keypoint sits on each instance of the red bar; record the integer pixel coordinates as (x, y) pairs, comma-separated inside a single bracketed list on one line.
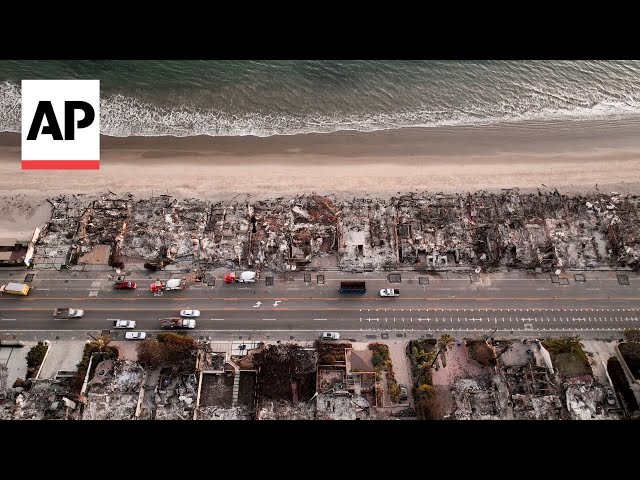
[(60, 164)]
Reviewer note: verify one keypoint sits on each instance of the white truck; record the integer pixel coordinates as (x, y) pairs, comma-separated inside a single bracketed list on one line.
[(174, 284), (67, 313), (124, 324), (244, 277), (177, 322), (390, 292)]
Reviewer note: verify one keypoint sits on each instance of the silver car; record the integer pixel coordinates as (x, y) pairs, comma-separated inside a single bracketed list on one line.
[(404, 393), (190, 313), (330, 336)]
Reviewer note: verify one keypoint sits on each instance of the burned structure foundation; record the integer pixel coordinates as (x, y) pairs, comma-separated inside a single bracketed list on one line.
[(542, 232)]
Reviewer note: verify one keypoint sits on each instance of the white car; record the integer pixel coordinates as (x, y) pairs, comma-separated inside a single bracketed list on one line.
[(135, 335), (330, 336), (124, 324), (190, 313), (389, 292)]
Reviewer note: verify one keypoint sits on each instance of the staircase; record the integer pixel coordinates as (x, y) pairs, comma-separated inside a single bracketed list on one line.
[(236, 383)]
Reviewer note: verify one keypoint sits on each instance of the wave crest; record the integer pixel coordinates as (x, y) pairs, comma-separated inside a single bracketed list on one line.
[(123, 116)]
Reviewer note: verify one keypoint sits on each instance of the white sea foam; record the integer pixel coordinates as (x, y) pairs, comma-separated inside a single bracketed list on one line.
[(122, 116)]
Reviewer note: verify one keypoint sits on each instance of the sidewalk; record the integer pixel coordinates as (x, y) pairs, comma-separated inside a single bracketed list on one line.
[(314, 278)]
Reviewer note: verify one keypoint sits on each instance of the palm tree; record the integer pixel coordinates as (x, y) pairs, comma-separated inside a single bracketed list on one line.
[(444, 342), (101, 342), (425, 365)]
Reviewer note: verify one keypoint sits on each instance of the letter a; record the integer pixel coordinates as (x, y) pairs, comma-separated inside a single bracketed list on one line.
[(45, 109)]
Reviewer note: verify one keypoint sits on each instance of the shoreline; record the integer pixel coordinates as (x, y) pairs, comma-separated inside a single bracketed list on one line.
[(540, 138), (573, 157)]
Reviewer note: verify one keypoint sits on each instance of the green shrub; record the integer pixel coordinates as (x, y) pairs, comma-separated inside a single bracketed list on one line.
[(394, 392), (36, 355), (380, 349), (377, 360)]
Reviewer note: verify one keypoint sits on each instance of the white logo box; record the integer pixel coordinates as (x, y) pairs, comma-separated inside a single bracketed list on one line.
[(46, 152)]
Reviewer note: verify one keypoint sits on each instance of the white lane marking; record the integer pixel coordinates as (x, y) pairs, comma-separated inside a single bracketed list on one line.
[(217, 319), (323, 319), (593, 289), (265, 319), (8, 319), (542, 289), (39, 289)]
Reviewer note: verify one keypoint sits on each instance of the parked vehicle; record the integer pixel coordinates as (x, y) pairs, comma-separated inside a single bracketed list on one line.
[(330, 336), (390, 292), (125, 285), (67, 313), (189, 313), (124, 324), (404, 393), (611, 397), (177, 322), (353, 287), (244, 277), (15, 288), (172, 284), (135, 335)]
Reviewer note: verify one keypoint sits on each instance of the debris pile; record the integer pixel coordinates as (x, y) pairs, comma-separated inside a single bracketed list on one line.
[(330, 407), (530, 389), (101, 231), (218, 413), (545, 231), (209, 361), (57, 239), (162, 229), (294, 235), (175, 396), (474, 400), (45, 400), (226, 237), (113, 392), (585, 400), (284, 410), (367, 237)]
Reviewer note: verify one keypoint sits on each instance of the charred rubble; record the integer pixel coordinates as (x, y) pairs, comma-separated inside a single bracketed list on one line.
[(544, 232)]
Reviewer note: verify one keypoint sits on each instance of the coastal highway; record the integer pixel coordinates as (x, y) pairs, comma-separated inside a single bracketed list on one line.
[(458, 303)]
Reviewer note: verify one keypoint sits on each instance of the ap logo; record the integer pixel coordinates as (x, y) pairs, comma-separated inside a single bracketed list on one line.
[(60, 124)]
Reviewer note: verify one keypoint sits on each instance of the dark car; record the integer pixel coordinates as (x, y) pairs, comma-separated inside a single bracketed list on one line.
[(125, 286), (611, 397)]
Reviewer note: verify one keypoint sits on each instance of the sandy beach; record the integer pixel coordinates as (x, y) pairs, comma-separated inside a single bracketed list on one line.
[(571, 156)]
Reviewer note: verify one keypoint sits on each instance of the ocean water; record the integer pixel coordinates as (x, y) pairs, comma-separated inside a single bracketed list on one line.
[(264, 98)]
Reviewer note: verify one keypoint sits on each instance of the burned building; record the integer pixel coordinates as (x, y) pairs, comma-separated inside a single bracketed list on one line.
[(421, 231)]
